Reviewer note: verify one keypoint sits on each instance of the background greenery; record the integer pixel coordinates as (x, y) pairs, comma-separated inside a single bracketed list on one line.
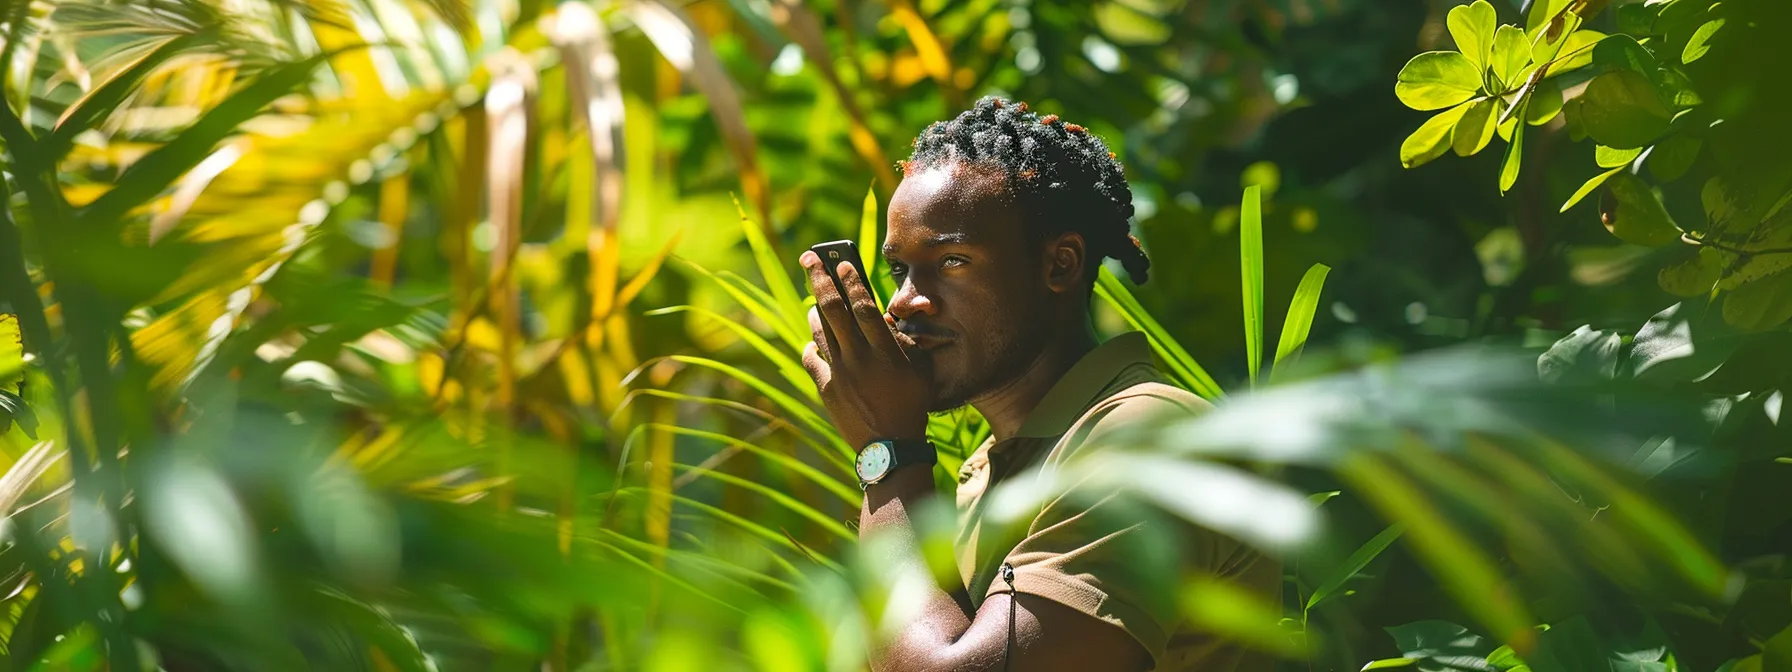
[(380, 334)]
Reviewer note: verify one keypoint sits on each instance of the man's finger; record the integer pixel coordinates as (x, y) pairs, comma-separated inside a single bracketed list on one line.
[(817, 367), (823, 337), (864, 309), (834, 313)]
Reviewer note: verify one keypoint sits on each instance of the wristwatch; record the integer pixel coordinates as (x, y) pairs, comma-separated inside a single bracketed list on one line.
[(878, 458)]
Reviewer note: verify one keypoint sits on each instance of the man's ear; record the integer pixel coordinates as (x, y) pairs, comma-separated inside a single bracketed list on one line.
[(1066, 258)]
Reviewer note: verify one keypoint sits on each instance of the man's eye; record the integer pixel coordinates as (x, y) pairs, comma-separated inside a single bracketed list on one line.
[(898, 270), (949, 262)]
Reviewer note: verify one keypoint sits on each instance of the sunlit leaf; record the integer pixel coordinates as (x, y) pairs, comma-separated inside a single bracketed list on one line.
[(1476, 128), (1607, 157), (1432, 139), (1511, 53), (1437, 79), (1590, 186), (1700, 44), (1472, 27), (1514, 158)]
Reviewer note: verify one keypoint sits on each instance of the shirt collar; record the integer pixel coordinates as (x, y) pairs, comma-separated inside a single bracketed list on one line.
[(1083, 385)]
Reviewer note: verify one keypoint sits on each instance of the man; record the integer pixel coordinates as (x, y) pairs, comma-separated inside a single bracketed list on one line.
[(995, 238)]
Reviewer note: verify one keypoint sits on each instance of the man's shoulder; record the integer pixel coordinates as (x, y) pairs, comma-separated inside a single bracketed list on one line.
[(1131, 408), (1148, 400)]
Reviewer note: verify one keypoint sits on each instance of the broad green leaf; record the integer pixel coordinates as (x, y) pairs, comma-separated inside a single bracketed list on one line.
[(1542, 12), (1511, 53), (1762, 304), (1504, 657), (1320, 498), (1432, 139), (1607, 157), (1622, 109), (1588, 188), (1673, 156), (1640, 218), (1388, 663), (1299, 321), (1679, 90), (1574, 53), (1354, 564), (1587, 355), (1700, 44), (1441, 646), (156, 170), (1472, 27), (1545, 103), (1553, 39), (1183, 367), (1695, 276), (1621, 52), (1477, 126), (1514, 158), (1435, 80), (1250, 260), (12, 354)]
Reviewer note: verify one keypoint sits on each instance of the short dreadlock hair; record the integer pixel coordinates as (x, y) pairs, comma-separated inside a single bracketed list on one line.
[(1062, 174)]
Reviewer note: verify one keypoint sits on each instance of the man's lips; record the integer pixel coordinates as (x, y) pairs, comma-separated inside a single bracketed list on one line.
[(929, 341)]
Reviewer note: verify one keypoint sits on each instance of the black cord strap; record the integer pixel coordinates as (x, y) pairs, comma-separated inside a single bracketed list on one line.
[(1008, 654)]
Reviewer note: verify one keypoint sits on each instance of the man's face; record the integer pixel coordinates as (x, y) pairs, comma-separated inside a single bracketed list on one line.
[(972, 289)]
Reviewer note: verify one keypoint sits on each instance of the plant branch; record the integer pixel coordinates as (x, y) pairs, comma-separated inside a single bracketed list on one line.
[(1702, 242)]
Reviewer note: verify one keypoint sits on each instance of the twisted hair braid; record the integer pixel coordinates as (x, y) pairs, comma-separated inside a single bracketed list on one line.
[(1062, 174)]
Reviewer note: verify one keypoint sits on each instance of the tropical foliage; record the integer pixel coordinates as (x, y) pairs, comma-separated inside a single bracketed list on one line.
[(382, 335)]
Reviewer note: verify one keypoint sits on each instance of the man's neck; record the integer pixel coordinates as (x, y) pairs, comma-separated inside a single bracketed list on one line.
[(1007, 407)]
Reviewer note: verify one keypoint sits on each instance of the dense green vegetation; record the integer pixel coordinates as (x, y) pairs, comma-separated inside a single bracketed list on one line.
[(373, 334)]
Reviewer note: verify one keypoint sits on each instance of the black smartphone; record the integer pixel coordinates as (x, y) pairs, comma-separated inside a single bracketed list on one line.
[(832, 253)]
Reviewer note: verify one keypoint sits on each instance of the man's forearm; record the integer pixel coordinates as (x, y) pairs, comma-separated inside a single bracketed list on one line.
[(888, 512)]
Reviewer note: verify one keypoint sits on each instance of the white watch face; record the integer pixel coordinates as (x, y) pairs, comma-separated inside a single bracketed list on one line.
[(874, 462)]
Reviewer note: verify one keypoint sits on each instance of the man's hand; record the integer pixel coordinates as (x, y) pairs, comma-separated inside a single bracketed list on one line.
[(868, 383)]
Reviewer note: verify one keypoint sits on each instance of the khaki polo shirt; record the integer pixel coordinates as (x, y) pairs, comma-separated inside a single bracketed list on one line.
[(1098, 557)]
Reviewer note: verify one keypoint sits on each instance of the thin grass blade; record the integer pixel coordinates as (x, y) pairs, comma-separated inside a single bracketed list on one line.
[(1299, 322), (1250, 261)]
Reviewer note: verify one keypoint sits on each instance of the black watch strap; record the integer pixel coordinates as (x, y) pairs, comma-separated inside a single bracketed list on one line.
[(912, 451)]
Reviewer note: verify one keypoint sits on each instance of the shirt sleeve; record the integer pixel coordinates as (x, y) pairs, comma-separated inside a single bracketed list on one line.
[(1098, 554)]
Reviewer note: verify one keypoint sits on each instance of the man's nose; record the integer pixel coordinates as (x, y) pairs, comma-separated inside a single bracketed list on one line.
[(910, 301)]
